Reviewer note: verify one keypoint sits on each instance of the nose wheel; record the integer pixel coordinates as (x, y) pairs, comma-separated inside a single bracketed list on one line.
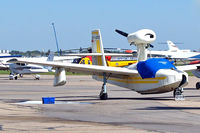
[(178, 94)]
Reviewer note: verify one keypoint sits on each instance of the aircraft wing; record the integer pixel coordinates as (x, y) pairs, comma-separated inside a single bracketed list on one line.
[(188, 67), (93, 69)]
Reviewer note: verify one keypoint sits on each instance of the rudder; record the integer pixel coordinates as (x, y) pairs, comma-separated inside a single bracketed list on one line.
[(97, 47)]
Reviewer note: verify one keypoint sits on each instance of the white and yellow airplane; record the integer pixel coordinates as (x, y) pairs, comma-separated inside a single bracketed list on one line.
[(148, 76)]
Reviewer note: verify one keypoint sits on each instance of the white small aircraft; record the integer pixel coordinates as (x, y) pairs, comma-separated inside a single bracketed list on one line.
[(175, 53), (148, 76), (3, 61), (173, 48), (26, 68)]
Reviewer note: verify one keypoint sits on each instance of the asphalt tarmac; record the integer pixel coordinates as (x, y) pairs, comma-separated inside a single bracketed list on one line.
[(78, 108)]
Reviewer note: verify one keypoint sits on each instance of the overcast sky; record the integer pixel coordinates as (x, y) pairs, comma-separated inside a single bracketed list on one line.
[(26, 24)]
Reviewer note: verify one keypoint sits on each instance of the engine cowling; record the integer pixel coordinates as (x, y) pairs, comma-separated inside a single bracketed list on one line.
[(144, 36), (60, 77), (142, 39)]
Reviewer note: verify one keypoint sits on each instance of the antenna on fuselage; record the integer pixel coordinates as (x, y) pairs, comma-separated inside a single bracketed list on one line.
[(56, 39)]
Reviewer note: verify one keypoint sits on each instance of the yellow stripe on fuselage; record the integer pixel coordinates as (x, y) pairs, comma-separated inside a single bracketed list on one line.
[(121, 63), (137, 80), (134, 82)]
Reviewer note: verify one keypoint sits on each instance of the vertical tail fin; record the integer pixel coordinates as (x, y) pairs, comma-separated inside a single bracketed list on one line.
[(172, 47), (97, 47), (50, 57)]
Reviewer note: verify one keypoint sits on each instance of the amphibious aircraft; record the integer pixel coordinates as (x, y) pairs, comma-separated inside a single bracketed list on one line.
[(148, 76), (27, 68)]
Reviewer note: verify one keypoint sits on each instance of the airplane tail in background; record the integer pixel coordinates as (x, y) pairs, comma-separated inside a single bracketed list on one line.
[(50, 58), (97, 47), (172, 47)]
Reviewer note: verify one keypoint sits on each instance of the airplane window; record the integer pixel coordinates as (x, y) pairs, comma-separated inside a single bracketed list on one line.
[(35, 68)]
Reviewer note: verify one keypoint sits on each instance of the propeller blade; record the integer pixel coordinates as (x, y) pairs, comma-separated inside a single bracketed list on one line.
[(122, 33), (151, 45)]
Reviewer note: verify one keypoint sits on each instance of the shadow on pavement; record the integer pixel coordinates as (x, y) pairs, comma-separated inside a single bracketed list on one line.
[(93, 98), (169, 108)]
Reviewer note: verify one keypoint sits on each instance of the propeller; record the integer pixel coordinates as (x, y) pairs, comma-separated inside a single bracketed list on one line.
[(122, 33)]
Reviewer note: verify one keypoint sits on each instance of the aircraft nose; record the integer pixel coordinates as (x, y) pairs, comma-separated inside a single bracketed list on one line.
[(177, 77), (182, 77)]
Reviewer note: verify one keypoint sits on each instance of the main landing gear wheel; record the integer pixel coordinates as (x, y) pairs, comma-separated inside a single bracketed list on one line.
[(103, 94), (198, 85), (21, 75), (37, 77), (178, 94)]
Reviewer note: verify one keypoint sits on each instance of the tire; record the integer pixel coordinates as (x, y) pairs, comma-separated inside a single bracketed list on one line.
[(198, 85), (104, 96)]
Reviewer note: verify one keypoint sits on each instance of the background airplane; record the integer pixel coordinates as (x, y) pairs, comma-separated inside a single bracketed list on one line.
[(121, 60), (4, 65), (148, 76), (173, 48), (197, 74), (175, 53), (19, 69), (111, 61)]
